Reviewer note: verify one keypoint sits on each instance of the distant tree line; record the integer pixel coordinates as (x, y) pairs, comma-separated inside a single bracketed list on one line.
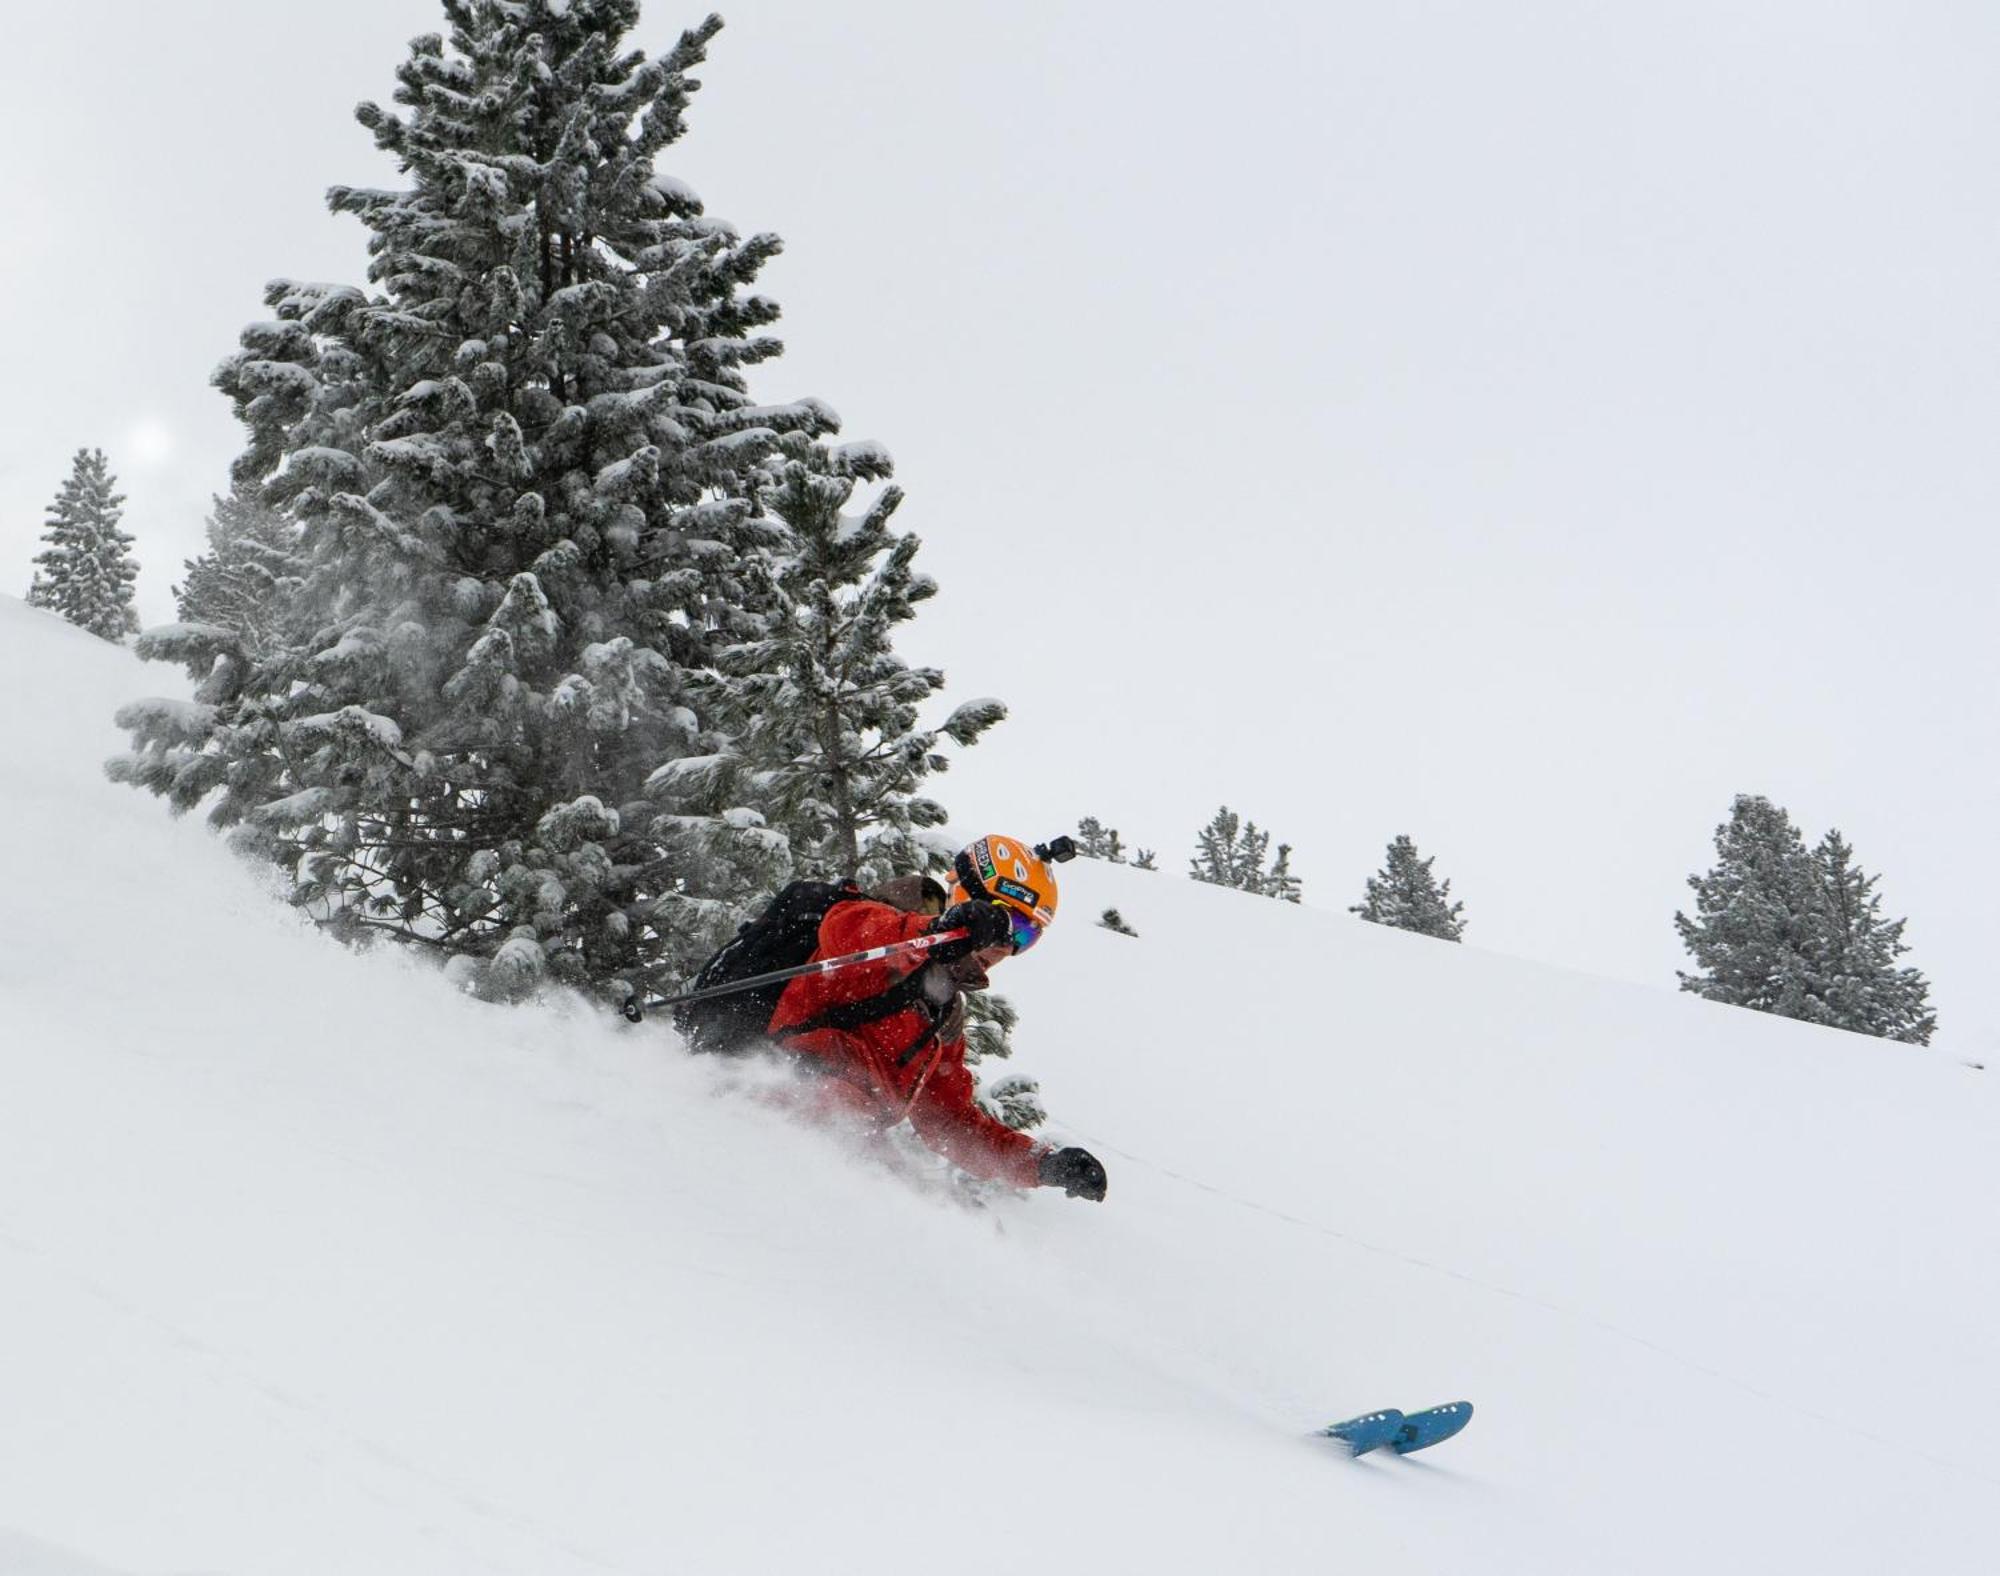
[(1233, 852), (1094, 840), (1778, 927)]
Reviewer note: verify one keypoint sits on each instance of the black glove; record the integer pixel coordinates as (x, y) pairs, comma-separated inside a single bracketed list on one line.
[(984, 924), (1077, 1172)]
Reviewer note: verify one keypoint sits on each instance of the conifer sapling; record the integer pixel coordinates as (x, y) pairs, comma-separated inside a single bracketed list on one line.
[(1406, 896), (86, 572)]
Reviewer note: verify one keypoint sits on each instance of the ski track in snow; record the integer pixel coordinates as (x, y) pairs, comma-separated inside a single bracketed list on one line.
[(314, 1266), (294, 1414), (1574, 1315)]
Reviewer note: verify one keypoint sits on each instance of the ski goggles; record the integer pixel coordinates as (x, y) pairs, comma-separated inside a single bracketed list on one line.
[(1025, 929)]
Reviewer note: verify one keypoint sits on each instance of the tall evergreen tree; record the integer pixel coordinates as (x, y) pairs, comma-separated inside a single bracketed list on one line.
[(86, 572), (246, 579), (1404, 894), (1782, 929), (819, 716), (526, 470)]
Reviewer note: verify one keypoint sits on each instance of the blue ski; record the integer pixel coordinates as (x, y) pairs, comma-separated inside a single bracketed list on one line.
[(1401, 1432), (1421, 1430), (1363, 1434)]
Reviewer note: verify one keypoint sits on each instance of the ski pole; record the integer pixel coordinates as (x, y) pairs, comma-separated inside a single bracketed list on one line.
[(634, 1008)]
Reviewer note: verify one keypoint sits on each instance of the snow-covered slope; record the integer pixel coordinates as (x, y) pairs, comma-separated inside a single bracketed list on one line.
[(309, 1265)]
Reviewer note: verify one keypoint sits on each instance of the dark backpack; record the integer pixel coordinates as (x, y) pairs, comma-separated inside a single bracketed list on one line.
[(785, 935)]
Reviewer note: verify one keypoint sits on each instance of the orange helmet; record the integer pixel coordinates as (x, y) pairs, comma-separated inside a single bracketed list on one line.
[(1014, 874)]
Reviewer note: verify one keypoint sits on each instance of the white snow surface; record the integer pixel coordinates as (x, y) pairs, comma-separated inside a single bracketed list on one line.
[(311, 1265)]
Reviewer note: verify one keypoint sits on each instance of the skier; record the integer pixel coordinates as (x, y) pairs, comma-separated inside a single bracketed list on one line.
[(888, 1037)]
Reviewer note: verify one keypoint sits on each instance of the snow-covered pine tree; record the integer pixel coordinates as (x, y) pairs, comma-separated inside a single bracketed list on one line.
[(525, 468), (1405, 895), (1217, 849), (1800, 933), (1145, 859), (1756, 912), (1229, 851), (1278, 881), (1016, 1099), (1095, 840), (1853, 955), (245, 581), (1246, 867), (86, 572), (818, 718), (1013, 1098)]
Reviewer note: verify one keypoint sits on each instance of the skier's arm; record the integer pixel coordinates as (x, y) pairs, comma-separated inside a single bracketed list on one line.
[(857, 927), (949, 1119)]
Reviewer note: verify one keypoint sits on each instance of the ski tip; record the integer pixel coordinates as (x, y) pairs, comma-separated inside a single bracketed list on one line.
[(1421, 1430)]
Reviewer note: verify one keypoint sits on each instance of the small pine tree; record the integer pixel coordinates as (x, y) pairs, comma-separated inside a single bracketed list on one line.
[(1278, 881), (1111, 919), (1095, 840), (245, 580), (86, 573), (1013, 1098), (1217, 857), (1753, 912), (1405, 895), (1854, 955), (1145, 859), (1229, 852), (1246, 865), (1799, 933)]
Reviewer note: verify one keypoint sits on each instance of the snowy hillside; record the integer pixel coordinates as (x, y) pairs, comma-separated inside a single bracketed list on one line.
[(312, 1266)]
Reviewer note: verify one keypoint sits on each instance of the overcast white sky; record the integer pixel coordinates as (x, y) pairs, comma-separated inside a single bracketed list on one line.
[(1521, 426)]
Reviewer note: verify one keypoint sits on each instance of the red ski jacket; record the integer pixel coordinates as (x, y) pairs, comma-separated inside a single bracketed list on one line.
[(899, 1065)]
